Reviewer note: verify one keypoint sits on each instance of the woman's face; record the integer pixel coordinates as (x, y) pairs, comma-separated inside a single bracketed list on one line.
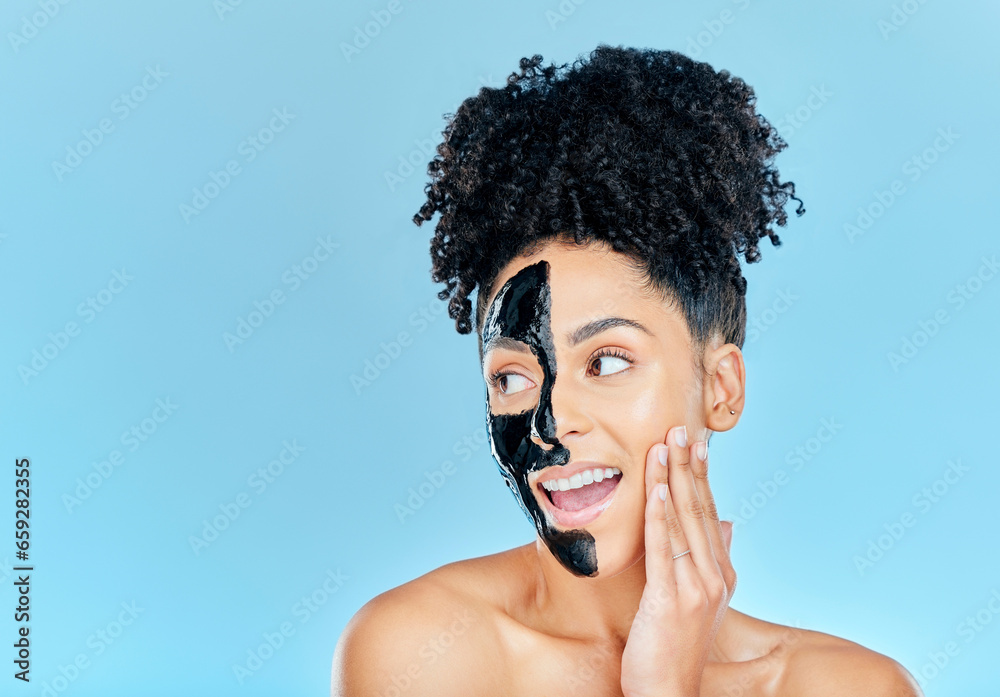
[(588, 371)]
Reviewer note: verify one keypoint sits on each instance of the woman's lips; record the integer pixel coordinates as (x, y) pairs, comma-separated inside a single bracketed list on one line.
[(582, 499)]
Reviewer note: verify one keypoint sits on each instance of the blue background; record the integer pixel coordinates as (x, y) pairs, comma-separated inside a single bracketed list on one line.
[(339, 170)]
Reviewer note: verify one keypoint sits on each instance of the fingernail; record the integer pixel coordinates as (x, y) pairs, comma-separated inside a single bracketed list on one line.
[(702, 450), (681, 436), (662, 492), (663, 456)]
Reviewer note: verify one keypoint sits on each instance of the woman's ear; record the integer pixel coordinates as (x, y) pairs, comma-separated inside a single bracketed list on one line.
[(725, 382)]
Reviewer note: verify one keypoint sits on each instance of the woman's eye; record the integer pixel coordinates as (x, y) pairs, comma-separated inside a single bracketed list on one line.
[(609, 365), (512, 383)]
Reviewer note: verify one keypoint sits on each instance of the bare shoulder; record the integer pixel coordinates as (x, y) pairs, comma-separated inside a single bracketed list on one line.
[(425, 637), (816, 664)]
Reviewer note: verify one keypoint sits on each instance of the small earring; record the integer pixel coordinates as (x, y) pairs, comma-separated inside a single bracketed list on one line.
[(731, 411)]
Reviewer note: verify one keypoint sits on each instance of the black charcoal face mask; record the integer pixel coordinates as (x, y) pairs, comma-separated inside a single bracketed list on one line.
[(522, 311)]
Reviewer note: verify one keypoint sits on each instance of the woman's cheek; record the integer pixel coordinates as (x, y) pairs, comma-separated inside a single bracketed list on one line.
[(647, 411), (621, 543)]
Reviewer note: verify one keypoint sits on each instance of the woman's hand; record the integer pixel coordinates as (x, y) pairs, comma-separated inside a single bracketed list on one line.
[(686, 598)]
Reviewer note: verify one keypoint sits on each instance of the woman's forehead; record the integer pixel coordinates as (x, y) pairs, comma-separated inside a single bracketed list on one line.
[(583, 281), (575, 295)]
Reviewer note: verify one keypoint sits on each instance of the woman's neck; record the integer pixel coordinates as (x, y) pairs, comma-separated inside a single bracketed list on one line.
[(598, 608)]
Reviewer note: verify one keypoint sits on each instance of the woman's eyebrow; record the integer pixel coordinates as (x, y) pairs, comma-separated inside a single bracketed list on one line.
[(574, 338), (506, 342), (600, 325)]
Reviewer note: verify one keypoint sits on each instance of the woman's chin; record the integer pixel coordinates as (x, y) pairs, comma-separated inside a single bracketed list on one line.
[(617, 556)]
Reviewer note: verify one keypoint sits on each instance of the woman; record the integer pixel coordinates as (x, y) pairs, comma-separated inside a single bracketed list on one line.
[(599, 210)]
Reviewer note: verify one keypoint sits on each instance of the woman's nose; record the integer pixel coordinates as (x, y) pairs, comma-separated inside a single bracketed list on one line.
[(543, 435), (536, 437), (556, 415)]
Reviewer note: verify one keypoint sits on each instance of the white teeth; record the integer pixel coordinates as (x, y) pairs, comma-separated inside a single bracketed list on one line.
[(581, 479)]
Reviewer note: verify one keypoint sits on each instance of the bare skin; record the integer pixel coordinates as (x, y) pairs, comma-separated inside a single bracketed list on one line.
[(519, 623)]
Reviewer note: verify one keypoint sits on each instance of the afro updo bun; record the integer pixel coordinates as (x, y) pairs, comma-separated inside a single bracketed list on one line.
[(649, 151)]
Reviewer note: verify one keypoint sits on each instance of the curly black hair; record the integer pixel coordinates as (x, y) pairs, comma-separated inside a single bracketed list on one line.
[(649, 151)]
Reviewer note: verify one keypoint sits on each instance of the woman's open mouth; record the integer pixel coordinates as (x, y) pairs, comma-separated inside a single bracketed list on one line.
[(580, 498)]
